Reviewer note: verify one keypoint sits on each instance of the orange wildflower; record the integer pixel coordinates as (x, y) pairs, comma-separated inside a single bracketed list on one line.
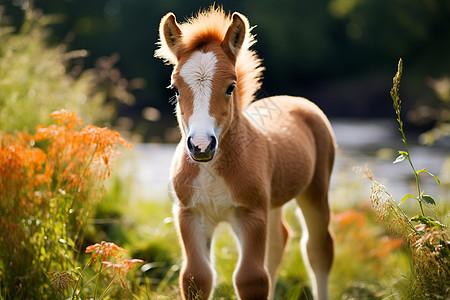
[(67, 118), (123, 266), (50, 176), (73, 151), (105, 249), (386, 246), (19, 163), (102, 137), (348, 217), (52, 131)]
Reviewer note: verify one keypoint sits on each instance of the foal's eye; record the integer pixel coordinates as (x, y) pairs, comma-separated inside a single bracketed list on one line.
[(230, 90)]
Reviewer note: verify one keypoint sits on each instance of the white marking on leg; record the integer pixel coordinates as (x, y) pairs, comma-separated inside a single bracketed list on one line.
[(198, 73)]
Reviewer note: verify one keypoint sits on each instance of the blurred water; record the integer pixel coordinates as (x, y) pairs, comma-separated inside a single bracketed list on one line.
[(361, 143), (375, 144)]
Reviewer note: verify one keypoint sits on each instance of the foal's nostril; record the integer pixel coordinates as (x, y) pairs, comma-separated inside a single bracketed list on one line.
[(212, 145), (190, 145)]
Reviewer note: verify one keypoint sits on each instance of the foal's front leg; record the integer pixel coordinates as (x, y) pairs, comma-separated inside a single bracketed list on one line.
[(196, 278), (251, 278)]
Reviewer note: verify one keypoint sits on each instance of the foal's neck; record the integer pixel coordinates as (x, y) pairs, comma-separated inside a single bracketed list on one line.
[(236, 140)]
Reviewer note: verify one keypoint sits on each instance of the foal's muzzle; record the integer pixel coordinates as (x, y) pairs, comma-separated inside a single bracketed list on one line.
[(202, 149)]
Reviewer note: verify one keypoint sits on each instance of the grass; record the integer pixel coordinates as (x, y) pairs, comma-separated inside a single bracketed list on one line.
[(378, 260)]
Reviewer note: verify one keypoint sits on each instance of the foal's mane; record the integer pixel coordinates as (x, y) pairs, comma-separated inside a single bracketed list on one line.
[(211, 25)]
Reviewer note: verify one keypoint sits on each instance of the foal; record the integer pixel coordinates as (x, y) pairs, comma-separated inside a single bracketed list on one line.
[(240, 162)]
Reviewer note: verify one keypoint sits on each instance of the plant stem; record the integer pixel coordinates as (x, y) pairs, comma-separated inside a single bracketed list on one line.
[(87, 283), (90, 205), (395, 95), (408, 157), (79, 279), (98, 279), (107, 288)]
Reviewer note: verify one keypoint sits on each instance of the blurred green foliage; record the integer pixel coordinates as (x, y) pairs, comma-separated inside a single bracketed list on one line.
[(37, 77), (33, 78)]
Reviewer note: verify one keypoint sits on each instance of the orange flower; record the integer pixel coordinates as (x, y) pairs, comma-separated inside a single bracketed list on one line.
[(347, 217), (102, 137), (67, 118), (123, 266), (52, 131), (19, 163), (105, 249), (72, 149), (386, 246)]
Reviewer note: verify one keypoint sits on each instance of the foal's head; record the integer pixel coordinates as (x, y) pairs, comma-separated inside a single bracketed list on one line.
[(204, 78)]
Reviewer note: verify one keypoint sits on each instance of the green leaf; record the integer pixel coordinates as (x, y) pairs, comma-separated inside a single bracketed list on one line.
[(434, 223), (406, 197), (427, 221), (425, 171), (428, 199), (420, 219)]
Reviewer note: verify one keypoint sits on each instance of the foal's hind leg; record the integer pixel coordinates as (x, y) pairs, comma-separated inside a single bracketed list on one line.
[(317, 242), (278, 235)]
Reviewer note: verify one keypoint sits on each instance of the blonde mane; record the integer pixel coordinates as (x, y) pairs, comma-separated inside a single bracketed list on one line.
[(211, 25)]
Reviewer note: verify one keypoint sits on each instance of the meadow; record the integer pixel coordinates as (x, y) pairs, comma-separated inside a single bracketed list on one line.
[(78, 220)]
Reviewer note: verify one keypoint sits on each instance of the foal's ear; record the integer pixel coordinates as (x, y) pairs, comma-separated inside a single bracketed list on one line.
[(171, 34), (235, 36)]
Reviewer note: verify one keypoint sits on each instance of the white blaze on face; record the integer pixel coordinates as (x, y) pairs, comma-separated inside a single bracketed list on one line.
[(198, 73)]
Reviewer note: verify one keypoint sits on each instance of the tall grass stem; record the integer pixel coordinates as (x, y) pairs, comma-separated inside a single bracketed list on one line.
[(395, 95)]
